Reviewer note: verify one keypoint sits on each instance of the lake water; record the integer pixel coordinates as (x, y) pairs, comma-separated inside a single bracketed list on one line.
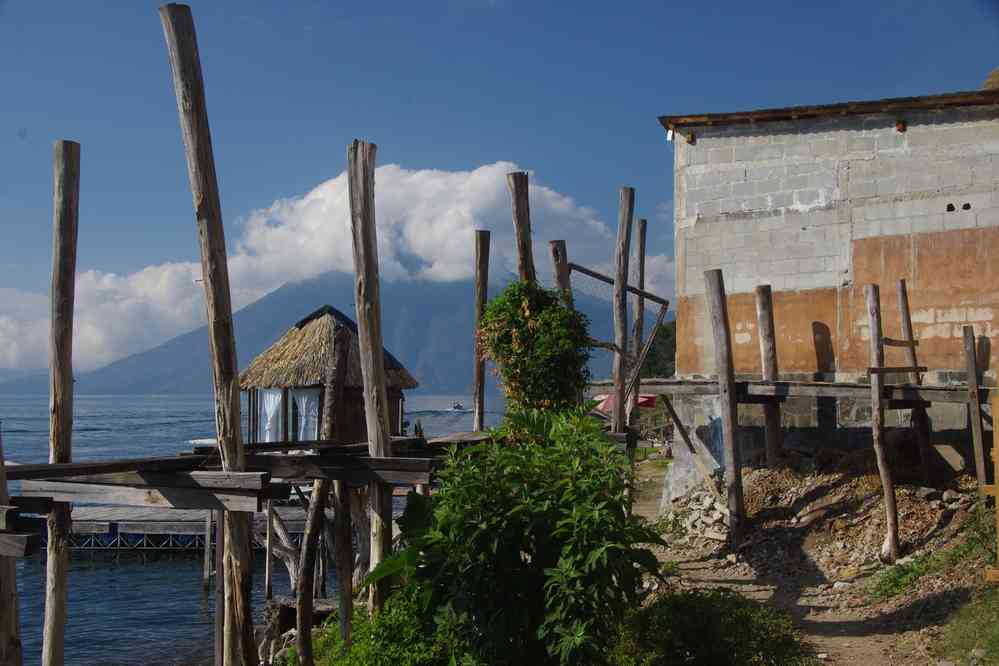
[(147, 609)]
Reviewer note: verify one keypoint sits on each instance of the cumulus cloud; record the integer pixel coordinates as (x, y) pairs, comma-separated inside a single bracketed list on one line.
[(426, 219)]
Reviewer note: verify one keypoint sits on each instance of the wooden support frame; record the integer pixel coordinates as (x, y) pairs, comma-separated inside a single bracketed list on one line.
[(918, 415), (731, 453), (607, 280), (974, 405), (479, 362), (625, 213), (768, 362), (520, 195), (248, 501), (637, 332), (561, 273)]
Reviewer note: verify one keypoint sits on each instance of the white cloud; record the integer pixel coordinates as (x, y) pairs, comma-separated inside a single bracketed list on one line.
[(426, 219)]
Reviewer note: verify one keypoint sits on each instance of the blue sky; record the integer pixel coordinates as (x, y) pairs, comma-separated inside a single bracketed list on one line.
[(570, 91)]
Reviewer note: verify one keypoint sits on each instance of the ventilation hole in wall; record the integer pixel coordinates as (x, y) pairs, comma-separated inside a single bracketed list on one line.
[(966, 206), (950, 208)]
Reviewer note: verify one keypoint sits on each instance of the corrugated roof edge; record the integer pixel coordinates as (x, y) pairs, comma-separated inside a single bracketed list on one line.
[(891, 105)]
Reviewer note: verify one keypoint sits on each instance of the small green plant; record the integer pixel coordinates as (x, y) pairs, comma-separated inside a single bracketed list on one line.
[(539, 344), (529, 547), (708, 627), (974, 626)]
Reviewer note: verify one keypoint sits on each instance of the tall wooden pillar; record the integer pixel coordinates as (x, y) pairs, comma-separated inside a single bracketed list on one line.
[(626, 210), (481, 292)]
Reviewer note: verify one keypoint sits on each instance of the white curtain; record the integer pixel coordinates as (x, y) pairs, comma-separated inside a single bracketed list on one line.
[(271, 416), (307, 403)]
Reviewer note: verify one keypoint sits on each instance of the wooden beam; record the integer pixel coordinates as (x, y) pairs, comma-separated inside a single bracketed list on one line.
[(561, 273), (177, 498), (626, 209), (731, 453), (189, 89), (889, 550), (637, 330), (209, 480), (974, 406), (896, 370), (892, 342), (19, 545), (140, 465), (481, 291), (66, 203), (768, 362), (607, 280), (11, 648), (636, 373), (361, 181), (920, 420), (206, 568), (519, 192)]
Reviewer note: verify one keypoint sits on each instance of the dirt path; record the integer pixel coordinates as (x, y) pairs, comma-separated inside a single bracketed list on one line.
[(835, 618)]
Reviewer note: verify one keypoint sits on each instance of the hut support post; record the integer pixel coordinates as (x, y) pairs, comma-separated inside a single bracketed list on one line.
[(768, 362), (66, 202), (361, 182), (185, 65), (11, 650), (206, 566), (626, 210), (889, 550), (219, 588), (731, 454), (974, 405), (517, 182), (481, 291), (920, 420), (638, 330), (269, 553), (306, 571), (561, 273)]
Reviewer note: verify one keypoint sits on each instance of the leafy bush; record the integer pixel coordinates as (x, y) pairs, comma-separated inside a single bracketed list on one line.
[(540, 346), (527, 550), (708, 627)]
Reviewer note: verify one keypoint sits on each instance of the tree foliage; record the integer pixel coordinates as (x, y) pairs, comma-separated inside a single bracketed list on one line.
[(661, 361), (539, 344)]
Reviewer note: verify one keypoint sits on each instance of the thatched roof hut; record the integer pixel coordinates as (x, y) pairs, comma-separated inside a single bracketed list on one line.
[(304, 357), (285, 383)]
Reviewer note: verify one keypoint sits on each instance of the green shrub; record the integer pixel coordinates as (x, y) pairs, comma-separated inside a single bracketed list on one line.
[(540, 346), (528, 550), (708, 627)]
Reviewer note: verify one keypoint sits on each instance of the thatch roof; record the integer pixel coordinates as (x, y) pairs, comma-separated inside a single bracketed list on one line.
[(992, 81), (304, 356)]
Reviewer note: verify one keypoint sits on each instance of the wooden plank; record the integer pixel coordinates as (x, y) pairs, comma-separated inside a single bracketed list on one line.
[(896, 369), (475, 437), (519, 193), (185, 66), (19, 545), (625, 212), (361, 181), (178, 498), (11, 650), (718, 310), (55, 470), (892, 342), (889, 550), (66, 202), (649, 296), (561, 273), (479, 362), (920, 420), (768, 362), (216, 480), (974, 406), (637, 330), (206, 566)]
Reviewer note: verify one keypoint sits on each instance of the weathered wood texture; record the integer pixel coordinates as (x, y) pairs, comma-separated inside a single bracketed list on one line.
[(185, 65), (178, 498), (638, 327), (609, 280), (889, 550), (206, 565), (626, 209), (974, 404), (561, 273), (768, 360), (636, 371), (481, 294), (361, 181), (11, 648), (66, 202), (731, 453), (517, 182), (141, 465), (920, 420)]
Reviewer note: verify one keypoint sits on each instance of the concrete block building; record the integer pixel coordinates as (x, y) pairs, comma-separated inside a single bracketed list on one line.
[(819, 201)]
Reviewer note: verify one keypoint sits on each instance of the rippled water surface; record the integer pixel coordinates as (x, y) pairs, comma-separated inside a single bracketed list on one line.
[(143, 608)]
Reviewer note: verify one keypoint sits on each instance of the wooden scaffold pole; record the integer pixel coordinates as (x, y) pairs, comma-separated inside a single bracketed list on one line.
[(11, 649), (66, 204), (481, 294), (185, 65), (561, 273), (638, 331), (626, 210), (517, 182), (361, 182), (768, 363)]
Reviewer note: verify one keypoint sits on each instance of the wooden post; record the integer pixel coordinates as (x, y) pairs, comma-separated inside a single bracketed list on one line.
[(185, 65), (517, 182), (481, 290), (889, 550), (731, 454), (768, 361), (920, 420), (11, 650), (561, 274), (343, 538), (639, 314), (66, 203), (974, 406), (625, 211), (220, 613), (305, 589), (269, 553), (206, 566), (361, 181)]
